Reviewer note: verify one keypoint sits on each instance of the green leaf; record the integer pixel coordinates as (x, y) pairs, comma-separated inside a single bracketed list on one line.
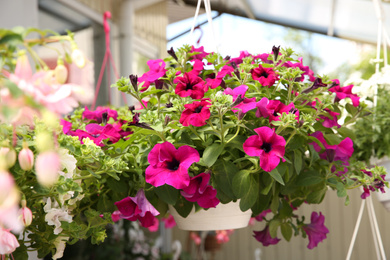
[(308, 178), (249, 197), (11, 39), (341, 191), (273, 227), (276, 175), (346, 132), (313, 155), (117, 186), (261, 204), (167, 193), (223, 172), (332, 139), (184, 207), (286, 231), (274, 204), (317, 196), (211, 154), (351, 109), (20, 252), (297, 161), (105, 204), (241, 183)]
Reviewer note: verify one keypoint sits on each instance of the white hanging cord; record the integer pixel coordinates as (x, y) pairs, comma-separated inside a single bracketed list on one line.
[(359, 219), (210, 19), (207, 6), (195, 18), (375, 229)]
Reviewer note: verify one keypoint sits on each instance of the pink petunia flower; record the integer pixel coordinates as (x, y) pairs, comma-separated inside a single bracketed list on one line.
[(340, 152), (238, 60), (97, 133), (266, 76), (344, 92), (218, 80), (200, 55), (190, 85), (169, 222), (247, 104), (316, 230), (154, 227), (196, 113), (137, 208), (201, 192), (265, 238), (262, 215), (157, 70), (305, 69), (332, 121), (170, 166), (8, 242), (267, 145), (272, 109), (97, 115)]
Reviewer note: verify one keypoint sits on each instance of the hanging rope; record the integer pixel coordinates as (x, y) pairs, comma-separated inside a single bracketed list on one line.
[(106, 60), (207, 6)]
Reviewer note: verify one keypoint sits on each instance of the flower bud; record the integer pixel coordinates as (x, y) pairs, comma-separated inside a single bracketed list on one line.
[(61, 73), (26, 159), (26, 215), (78, 58), (9, 155), (9, 195), (8, 242), (47, 168)]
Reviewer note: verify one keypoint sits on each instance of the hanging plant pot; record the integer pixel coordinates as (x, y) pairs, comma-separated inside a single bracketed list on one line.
[(384, 198), (222, 217)]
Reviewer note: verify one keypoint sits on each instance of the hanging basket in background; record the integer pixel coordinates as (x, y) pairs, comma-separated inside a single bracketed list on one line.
[(222, 217)]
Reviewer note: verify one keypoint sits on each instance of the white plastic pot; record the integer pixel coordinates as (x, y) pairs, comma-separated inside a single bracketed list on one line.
[(222, 217)]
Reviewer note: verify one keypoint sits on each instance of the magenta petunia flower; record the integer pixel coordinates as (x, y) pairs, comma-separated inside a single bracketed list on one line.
[(266, 76), (239, 59), (196, 113), (98, 133), (269, 146), (97, 115), (272, 109), (170, 166), (190, 85), (247, 104), (201, 192), (330, 122), (197, 67), (316, 230), (262, 215), (157, 70), (218, 80), (200, 55), (344, 92), (66, 126), (265, 238), (340, 152), (305, 69), (137, 208), (169, 222)]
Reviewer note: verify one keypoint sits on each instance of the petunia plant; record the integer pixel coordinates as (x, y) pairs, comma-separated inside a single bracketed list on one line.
[(259, 129)]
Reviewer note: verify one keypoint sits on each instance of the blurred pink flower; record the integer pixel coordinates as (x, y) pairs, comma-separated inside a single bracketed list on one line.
[(316, 230), (47, 167), (265, 238), (26, 159), (8, 242)]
